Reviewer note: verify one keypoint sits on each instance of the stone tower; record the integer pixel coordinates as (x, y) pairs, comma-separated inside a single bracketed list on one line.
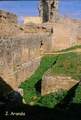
[(48, 10)]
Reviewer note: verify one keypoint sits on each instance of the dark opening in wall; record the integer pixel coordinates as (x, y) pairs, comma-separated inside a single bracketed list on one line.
[(51, 13), (41, 44), (52, 5)]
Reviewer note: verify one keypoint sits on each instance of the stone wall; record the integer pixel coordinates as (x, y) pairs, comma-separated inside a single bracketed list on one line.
[(20, 52), (20, 56), (33, 20), (48, 10), (66, 35), (51, 84), (10, 17)]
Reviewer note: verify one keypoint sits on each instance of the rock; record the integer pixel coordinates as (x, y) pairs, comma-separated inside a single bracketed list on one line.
[(20, 91)]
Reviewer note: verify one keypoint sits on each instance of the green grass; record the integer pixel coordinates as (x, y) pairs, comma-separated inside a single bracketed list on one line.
[(77, 97), (51, 100), (68, 64), (30, 93)]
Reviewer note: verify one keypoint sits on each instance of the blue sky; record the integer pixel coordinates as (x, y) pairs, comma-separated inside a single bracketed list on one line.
[(71, 8), (21, 8)]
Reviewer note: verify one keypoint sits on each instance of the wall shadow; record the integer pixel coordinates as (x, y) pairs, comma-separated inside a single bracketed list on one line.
[(67, 101), (4, 88), (8, 96), (38, 86), (14, 108), (43, 113)]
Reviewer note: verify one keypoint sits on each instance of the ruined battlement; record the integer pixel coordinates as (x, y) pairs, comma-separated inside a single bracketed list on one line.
[(10, 17), (48, 10)]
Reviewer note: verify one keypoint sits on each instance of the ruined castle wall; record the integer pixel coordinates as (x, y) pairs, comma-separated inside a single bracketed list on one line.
[(51, 84), (48, 10), (33, 20), (44, 10), (20, 56), (9, 17), (53, 10), (66, 35)]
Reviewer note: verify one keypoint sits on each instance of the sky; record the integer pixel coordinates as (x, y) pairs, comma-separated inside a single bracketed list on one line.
[(71, 8), (21, 8)]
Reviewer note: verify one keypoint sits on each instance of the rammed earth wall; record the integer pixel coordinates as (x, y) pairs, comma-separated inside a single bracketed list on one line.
[(20, 56)]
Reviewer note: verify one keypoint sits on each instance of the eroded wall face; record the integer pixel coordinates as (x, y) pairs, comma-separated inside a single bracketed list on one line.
[(53, 8), (66, 35), (44, 10), (48, 10), (20, 57), (7, 16), (51, 84)]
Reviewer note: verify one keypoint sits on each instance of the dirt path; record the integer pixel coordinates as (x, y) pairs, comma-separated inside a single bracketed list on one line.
[(78, 50)]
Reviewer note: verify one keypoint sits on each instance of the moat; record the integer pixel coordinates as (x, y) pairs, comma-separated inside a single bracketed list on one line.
[(40, 64)]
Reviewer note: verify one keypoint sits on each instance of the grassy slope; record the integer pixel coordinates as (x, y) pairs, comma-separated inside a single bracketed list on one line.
[(28, 86), (77, 97), (51, 100), (68, 64)]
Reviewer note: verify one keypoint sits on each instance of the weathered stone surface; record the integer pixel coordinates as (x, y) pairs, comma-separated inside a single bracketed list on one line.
[(65, 31), (48, 10), (19, 90), (7, 16), (66, 35), (33, 19), (19, 51), (18, 56), (52, 84)]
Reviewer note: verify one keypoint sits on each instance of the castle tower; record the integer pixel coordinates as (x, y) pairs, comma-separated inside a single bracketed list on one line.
[(44, 10), (48, 10)]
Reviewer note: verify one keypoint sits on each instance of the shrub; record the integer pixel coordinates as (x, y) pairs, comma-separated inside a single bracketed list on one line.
[(52, 99), (77, 97)]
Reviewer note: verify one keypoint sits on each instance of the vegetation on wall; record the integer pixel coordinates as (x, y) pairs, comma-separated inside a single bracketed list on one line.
[(77, 97)]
